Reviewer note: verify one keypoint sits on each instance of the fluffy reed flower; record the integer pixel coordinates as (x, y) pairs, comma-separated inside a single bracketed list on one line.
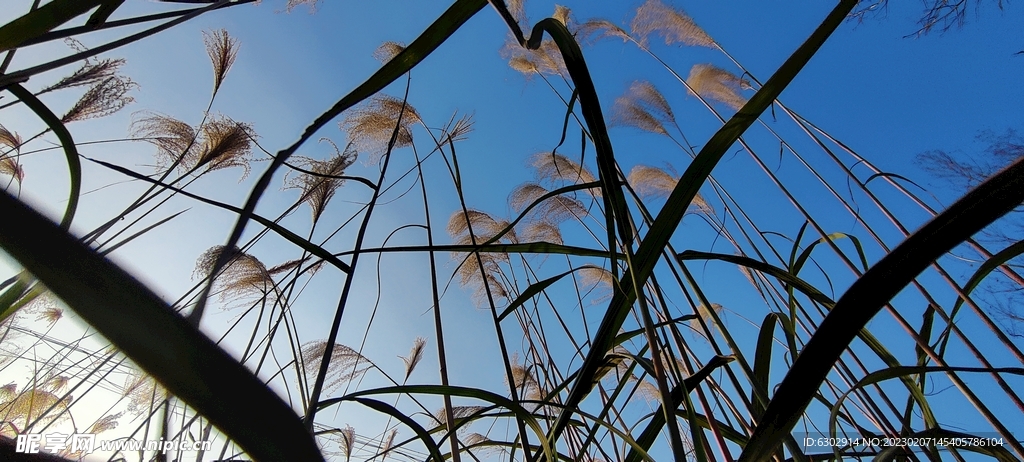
[(319, 186), (387, 51), (673, 25), (9, 138), (484, 228), (718, 84), (102, 99), (541, 231), (371, 126), (347, 440), (345, 364), (526, 383), (594, 30), (388, 442), (554, 209), (705, 314), (91, 72), (174, 139), (563, 15), (222, 50), (143, 392), (9, 165), (643, 107), (225, 143), (242, 277), (107, 422), (32, 406), (415, 355), (558, 168), (654, 182), (458, 413), (546, 59)]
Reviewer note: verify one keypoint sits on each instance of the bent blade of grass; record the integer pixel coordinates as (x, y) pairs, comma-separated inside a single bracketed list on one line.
[(682, 195), (147, 330), (465, 392), (42, 20), (679, 393), (66, 141), (422, 433), (871, 292)]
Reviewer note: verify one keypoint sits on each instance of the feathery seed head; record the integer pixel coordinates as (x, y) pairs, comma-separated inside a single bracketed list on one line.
[(33, 405), (388, 50), (90, 73), (563, 15), (347, 439), (541, 231), (718, 84), (319, 185), (345, 364), (673, 25), (107, 422), (102, 99), (458, 413), (558, 168), (594, 30), (225, 144), (9, 165), (415, 355), (371, 126), (243, 276), (174, 139), (223, 49)]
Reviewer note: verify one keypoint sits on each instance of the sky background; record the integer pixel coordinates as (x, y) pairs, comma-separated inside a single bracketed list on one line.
[(874, 85)]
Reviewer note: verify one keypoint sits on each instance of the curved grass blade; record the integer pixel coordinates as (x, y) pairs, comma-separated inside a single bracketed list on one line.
[(42, 20), (67, 143), (653, 429), (145, 328), (905, 371), (682, 195), (280, 230), (388, 409), (778, 273), (871, 292), (483, 395)]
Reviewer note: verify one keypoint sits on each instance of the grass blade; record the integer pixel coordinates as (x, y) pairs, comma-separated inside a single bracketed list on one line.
[(146, 329), (871, 292)]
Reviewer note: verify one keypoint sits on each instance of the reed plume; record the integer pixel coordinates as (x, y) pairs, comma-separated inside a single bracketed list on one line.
[(345, 364), (554, 209), (414, 357), (222, 50), (225, 143), (718, 84), (142, 392), (387, 51), (29, 407), (370, 127), (595, 30), (174, 139), (458, 413), (563, 15), (546, 59), (243, 276), (541, 231), (389, 441), (10, 139), (557, 168), (643, 107), (347, 439), (91, 72), (9, 165), (102, 99), (673, 25), (655, 182), (107, 422), (319, 185), (484, 228)]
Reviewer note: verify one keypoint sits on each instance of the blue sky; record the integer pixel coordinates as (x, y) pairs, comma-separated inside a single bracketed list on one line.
[(887, 96)]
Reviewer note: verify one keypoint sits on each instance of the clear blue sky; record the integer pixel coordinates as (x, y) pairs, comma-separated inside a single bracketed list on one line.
[(885, 95)]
